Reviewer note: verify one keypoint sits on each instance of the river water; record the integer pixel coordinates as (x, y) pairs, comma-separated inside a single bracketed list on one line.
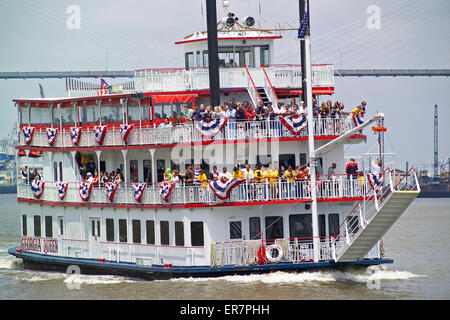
[(418, 242)]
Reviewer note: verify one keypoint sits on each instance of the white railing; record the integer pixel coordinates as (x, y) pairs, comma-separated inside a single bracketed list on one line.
[(185, 134), (285, 76), (336, 188), (295, 250)]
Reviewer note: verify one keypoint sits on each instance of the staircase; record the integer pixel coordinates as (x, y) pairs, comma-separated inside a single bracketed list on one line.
[(264, 98), (368, 221)]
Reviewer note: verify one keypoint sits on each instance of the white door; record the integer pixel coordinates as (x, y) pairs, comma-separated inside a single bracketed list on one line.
[(94, 238)]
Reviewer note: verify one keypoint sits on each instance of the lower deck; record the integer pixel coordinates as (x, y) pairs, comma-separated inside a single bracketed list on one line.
[(184, 237)]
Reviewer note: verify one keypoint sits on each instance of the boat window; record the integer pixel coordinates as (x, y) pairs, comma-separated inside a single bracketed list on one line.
[(145, 112), (179, 233), (147, 164), (110, 230), (95, 227), (205, 58), (24, 225), (136, 224), (333, 224), (286, 160), (198, 59), (150, 228), (37, 226), (265, 55), (123, 230), (40, 116), (197, 238), (300, 226), (60, 171), (61, 225), (160, 169), (48, 227), (89, 114), (164, 232), (24, 115), (235, 229), (55, 171), (68, 116), (134, 112), (111, 113), (302, 159), (134, 171), (274, 227), (189, 59), (255, 227)]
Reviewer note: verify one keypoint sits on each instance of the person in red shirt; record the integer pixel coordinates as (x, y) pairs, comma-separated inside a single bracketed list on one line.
[(352, 169)]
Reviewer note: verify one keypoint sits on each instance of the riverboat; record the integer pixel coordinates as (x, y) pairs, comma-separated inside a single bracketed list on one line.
[(150, 225)]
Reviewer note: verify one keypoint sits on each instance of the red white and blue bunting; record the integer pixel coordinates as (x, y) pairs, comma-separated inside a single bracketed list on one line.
[(84, 190), (138, 189), (295, 124), (99, 134), (37, 187), (125, 131), (51, 135), (75, 134), (28, 134), (110, 189), (222, 189), (165, 189), (209, 128), (62, 189)]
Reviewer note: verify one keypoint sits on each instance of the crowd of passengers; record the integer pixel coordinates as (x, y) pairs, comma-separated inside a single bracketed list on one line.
[(245, 111), (195, 175)]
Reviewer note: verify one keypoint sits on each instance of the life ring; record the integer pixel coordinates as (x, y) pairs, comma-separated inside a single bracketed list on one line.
[(269, 253), (187, 78)]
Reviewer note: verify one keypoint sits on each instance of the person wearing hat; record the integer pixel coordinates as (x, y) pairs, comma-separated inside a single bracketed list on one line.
[(89, 178)]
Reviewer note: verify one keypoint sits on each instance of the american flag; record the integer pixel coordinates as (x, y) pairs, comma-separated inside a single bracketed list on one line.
[(304, 25)]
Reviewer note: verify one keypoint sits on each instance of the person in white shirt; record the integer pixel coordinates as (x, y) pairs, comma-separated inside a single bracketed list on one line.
[(248, 173), (89, 178), (225, 175)]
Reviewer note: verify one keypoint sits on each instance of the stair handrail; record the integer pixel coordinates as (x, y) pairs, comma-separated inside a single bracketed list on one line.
[(270, 84), (353, 229), (254, 86)]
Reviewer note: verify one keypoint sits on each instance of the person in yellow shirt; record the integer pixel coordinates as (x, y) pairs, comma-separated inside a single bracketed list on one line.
[(202, 179), (289, 175), (237, 173), (273, 180), (258, 174)]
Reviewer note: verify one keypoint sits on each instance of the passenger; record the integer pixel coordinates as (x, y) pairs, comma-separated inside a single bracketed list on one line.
[(202, 180), (165, 124), (189, 175), (187, 114), (168, 175), (258, 174), (89, 178), (175, 176), (225, 175), (214, 174), (352, 169)]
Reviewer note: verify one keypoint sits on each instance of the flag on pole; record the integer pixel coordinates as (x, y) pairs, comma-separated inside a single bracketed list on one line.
[(37, 187), (51, 135), (62, 189), (304, 25), (295, 124)]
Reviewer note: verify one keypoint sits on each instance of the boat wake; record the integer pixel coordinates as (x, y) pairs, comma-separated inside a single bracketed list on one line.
[(314, 278)]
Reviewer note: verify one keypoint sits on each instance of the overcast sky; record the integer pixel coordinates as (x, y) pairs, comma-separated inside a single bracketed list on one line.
[(34, 36)]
